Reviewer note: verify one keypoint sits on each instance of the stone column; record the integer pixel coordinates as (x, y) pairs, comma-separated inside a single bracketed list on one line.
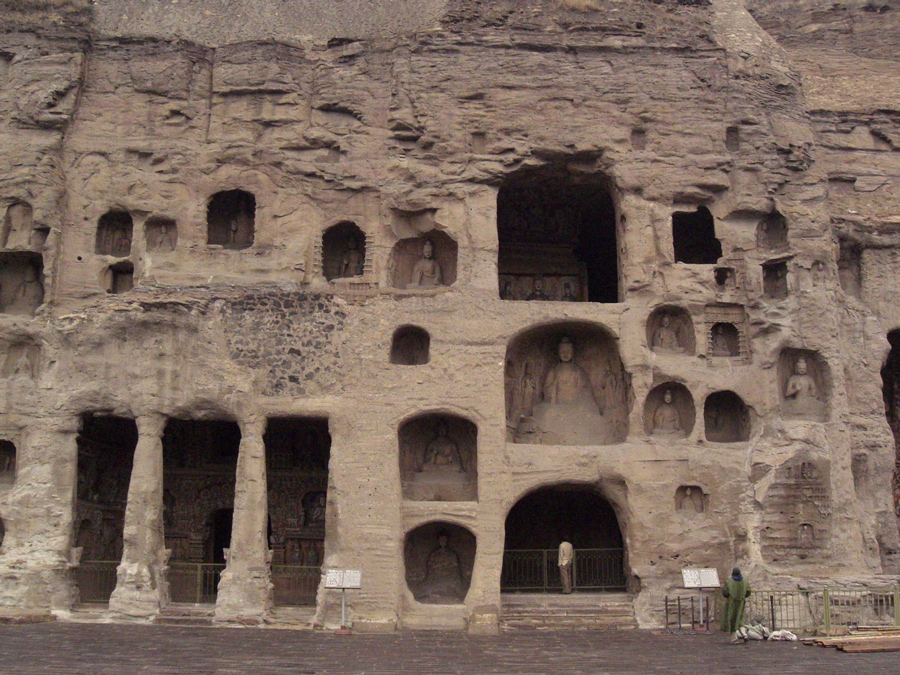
[(141, 586), (35, 574), (245, 591)]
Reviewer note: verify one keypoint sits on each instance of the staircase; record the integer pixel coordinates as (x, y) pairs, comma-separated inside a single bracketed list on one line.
[(186, 614), (578, 611)]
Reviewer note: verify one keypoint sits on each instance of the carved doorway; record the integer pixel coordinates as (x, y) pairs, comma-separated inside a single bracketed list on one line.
[(541, 520)]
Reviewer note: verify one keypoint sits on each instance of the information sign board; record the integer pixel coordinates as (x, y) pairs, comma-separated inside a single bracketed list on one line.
[(343, 578), (700, 578)]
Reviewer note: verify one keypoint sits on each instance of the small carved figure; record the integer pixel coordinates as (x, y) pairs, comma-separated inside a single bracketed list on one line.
[(666, 418), (506, 290), (568, 294), (442, 453), (665, 339), (537, 291), (351, 264), (719, 345), (564, 562), (443, 576), (690, 495), (806, 535), (28, 294), (315, 513), (427, 271), (567, 382), (801, 388)]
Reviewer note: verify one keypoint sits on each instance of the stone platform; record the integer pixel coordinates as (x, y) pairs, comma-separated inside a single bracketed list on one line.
[(578, 611)]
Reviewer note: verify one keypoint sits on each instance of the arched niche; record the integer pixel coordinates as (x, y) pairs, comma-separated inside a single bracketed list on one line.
[(690, 499), (7, 464), (410, 346), (22, 360), (775, 279), (694, 237), (2, 531), (558, 236), (566, 385), (890, 385), (726, 418), (21, 290), (424, 262), (669, 411), (772, 232), (16, 230), (119, 278), (542, 519), (804, 384), (160, 234), (724, 340), (439, 558), (439, 458), (231, 219), (343, 251), (114, 233), (670, 330)]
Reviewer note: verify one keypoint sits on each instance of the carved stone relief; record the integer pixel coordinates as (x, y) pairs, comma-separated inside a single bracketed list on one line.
[(803, 385), (727, 331), (424, 262), (438, 459), (797, 511), (690, 499), (21, 290), (161, 235), (669, 411), (21, 360), (670, 331), (17, 227), (565, 385), (726, 418), (560, 287), (439, 558)]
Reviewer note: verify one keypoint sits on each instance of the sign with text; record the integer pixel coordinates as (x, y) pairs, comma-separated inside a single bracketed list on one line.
[(343, 578), (700, 578)]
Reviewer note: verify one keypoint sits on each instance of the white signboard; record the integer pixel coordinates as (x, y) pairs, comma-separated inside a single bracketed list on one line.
[(343, 578), (700, 578)]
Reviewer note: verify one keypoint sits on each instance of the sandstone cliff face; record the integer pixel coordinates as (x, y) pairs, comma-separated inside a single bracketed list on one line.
[(408, 119)]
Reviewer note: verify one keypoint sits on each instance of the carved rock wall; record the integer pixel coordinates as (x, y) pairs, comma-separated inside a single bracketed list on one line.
[(362, 117)]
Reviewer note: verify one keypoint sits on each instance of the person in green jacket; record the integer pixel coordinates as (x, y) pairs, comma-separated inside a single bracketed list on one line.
[(736, 590)]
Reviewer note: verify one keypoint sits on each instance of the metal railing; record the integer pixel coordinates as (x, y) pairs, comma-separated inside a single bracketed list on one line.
[(96, 580), (295, 584), (827, 610), (595, 569), (194, 582)]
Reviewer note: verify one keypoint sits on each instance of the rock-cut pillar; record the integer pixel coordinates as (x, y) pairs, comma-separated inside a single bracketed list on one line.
[(141, 586), (245, 590)]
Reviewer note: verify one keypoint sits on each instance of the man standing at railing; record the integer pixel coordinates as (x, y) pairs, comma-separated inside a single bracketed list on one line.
[(736, 590), (566, 555)]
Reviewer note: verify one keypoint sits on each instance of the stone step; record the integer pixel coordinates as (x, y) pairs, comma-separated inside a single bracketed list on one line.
[(607, 611), (183, 614), (184, 621)]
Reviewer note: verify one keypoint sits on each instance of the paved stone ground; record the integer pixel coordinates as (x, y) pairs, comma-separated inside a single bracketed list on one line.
[(101, 649)]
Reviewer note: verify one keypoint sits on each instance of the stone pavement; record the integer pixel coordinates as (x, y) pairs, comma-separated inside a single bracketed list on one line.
[(101, 649)]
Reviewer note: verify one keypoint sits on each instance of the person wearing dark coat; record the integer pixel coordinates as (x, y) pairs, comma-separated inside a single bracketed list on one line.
[(736, 590)]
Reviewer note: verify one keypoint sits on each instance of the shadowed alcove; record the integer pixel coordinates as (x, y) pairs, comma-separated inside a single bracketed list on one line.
[(726, 418), (558, 237), (21, 290), (410, 346), (161, 234), (566, 385), (439, 558), (772, 232), (231, 219), (7, 464), (114, 232), (343, 251), (694, 237), (541, 520)]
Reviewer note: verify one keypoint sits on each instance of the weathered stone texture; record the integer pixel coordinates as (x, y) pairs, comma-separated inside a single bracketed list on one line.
[(406, 119)]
